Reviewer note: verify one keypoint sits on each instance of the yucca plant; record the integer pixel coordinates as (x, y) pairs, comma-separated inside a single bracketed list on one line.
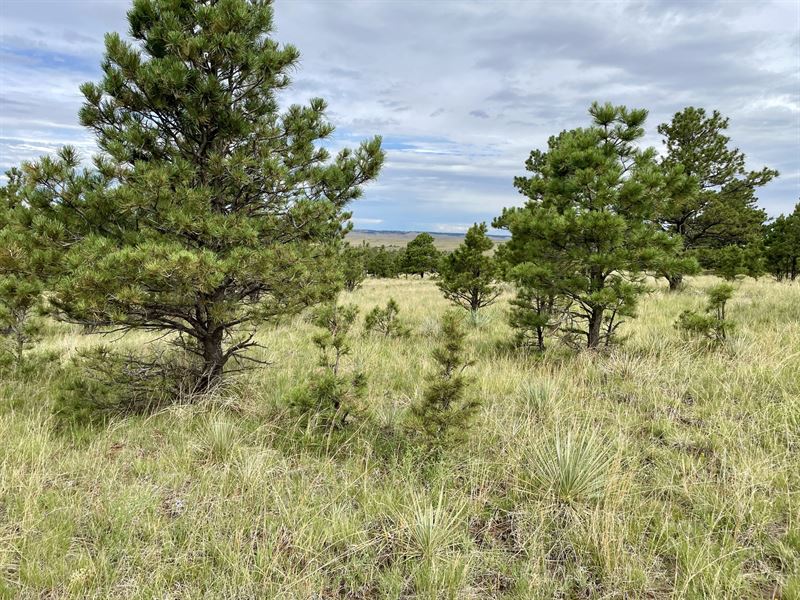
[(429, 529), (572, 467)]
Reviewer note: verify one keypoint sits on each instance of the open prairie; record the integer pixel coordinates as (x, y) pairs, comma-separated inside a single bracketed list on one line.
[(399, 239), (657, 469)]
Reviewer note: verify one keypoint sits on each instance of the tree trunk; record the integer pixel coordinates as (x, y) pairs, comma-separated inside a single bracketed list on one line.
[(675, 282), (475, 301), (540, 338), (213, 359), (595, 327)]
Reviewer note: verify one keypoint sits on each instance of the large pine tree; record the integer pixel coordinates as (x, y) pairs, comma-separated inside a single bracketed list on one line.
[(421, 255), (216, 210), (586, 233), (719, 211)]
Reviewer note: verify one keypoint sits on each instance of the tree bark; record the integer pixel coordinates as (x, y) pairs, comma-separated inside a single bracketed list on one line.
[(595, 327), (213, 359), (675, 282)]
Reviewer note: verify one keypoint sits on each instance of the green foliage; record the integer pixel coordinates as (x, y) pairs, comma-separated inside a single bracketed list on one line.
[(384, 262), (713, 324), (782, 246), (23, 270), (209, 210), (533, 316), (385, 321), (332, 396), (713, 204), (732, 262), (447, 408), (421, 256), (467, 275), (354, 266), (585, 235)]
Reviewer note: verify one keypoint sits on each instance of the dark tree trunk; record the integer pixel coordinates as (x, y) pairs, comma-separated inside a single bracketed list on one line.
[(475, 301), (675, 282), (595, 327), (540, 338), (213, 359)]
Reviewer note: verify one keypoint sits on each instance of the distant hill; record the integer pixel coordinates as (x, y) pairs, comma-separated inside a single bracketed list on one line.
[(443, 241)]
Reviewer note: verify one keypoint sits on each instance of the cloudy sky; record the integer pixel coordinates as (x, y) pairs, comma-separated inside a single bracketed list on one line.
[(461, 91)]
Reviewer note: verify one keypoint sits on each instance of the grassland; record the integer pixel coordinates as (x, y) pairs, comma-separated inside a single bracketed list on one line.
[(674, 472), (399, 239)]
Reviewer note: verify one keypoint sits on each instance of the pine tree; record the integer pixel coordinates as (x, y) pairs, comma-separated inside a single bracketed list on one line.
[(421, 256), (713, 325), (467, 275), (22, 271), (333, 395), (386, 321), (215, 210), (444, 413), (383, 262), (354, 266), (720, 210), (587, 228), (20, 284), (782, 246), (534, 309)]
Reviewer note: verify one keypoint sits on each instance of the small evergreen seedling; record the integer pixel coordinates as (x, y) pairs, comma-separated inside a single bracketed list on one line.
[(446, 410), (385, 321), (332, 396), (713, 324)]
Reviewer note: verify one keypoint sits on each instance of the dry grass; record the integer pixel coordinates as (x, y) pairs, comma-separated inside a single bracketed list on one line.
[(689, 465)]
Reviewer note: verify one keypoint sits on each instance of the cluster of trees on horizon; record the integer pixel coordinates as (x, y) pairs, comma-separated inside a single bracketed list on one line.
[(209, 212)]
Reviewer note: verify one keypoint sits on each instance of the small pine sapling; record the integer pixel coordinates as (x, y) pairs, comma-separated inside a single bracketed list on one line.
[(333, 396), (446, 410), (385, 321), (713, 324)]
